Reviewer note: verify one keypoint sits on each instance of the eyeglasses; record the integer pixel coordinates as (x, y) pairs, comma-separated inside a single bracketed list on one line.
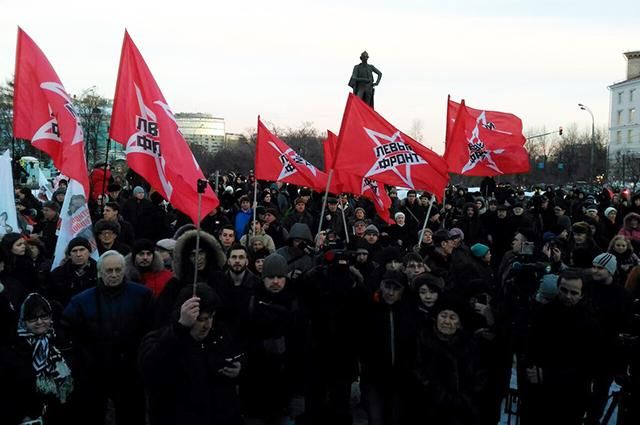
[(43, 317)]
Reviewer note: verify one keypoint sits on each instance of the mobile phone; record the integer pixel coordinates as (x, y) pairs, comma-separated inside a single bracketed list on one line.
[(230, 361)]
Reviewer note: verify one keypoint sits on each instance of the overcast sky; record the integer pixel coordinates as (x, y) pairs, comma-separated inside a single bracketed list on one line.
[(290, 61)]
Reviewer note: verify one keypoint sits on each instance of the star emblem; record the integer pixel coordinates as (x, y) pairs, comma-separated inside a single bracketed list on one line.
[(393, 154), (478, 153), (372, 185), (58, 89), (133, 147), (288, 158)]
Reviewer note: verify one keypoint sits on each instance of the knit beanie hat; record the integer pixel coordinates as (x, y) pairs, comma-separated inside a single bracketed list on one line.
[(138, 189), (479, 250), (609, 211), (371, 229), (78, 241), (274, 265), (548, 288), (395, 276), (608, 261), (142, 245)]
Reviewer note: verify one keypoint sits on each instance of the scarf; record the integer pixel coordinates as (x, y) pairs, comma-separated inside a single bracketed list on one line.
[(53, 376)]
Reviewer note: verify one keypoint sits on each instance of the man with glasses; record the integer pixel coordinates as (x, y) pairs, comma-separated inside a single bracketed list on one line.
[(106, 233), (106, 325)]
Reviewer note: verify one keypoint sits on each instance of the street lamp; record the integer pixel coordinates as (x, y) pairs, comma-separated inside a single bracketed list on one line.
[(593, 133)]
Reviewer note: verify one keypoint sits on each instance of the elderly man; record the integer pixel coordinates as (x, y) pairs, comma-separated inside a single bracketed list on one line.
[(107, 233), (106, 325)]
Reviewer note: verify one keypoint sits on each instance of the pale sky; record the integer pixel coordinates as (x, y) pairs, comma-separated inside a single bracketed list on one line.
[(290, 61)]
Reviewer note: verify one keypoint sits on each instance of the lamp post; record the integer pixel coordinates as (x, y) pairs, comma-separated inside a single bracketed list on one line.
[(593, 134)]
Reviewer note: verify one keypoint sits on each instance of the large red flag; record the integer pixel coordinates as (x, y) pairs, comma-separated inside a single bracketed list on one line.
[(484, 143), (44, 113), (155, 148), (347, 182), (369, 146), (275, 161)]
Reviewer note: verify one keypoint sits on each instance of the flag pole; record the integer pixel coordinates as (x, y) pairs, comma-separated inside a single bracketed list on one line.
[(202, 185), (444, 197), (344, 222), (426, 219), (324, 201), (255, 202), (104, 180)]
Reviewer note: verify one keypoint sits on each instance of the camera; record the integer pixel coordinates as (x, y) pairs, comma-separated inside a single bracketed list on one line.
[(202, 185)]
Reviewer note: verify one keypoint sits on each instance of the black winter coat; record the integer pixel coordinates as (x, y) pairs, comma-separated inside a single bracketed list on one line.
[(182, 380)]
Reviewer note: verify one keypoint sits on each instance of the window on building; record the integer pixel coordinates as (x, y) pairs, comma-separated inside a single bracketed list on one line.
[(630, 136), (619, 118), (632, 116), (620, 97), (618, 136), (631, 92)]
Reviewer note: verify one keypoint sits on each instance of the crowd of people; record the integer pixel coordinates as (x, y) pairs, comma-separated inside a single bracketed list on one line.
[(270, 313)]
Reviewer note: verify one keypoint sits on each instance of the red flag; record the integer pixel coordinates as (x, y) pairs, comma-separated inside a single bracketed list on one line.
[(369, 146), (43, 112), (275, 161), (485, 143), (347, 182), (155, 148)]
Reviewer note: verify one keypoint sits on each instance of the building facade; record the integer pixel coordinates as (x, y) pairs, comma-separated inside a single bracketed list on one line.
[(202, 129), (624, 123)]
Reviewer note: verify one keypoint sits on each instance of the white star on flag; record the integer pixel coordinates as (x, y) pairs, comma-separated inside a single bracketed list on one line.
[(396, 138), (477, 150)]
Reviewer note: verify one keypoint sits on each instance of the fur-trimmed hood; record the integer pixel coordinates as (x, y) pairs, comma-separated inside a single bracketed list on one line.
[(187, 242), (132, 273), (628, 218)]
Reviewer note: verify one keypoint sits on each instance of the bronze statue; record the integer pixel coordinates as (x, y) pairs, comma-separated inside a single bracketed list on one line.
[(362, 79)]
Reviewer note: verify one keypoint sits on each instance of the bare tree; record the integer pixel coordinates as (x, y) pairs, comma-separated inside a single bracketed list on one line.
[(416, 130), (95, 118)]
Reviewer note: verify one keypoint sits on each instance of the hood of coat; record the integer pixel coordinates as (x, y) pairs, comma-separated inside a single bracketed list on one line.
[(628, 218), (133, 273), (187, 243)]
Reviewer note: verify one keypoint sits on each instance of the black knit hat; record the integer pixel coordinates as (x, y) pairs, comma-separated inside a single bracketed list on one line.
[(77, 241), (274, 265), (142, 245), (209, 300)]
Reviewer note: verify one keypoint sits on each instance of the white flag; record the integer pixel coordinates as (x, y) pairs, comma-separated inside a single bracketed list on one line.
[(44, 184), (75, 221), (8, 215)]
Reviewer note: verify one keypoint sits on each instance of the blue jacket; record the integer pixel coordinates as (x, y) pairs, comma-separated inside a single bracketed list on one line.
[(241, 221), (106, 325)]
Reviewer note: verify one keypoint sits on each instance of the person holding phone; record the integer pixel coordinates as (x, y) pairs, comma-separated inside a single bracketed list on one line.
[(190, 367)]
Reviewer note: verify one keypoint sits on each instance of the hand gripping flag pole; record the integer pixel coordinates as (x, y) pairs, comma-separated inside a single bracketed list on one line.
[(426, 219), (202, 186), (324, 201)]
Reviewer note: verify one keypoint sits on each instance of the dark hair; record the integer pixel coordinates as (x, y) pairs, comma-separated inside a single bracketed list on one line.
[(243, 198), (227, 227), (412, 256), (237, 246), (113, 205)]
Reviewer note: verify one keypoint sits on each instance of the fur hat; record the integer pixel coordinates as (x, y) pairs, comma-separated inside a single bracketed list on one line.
[(102, 225), (142, 245)]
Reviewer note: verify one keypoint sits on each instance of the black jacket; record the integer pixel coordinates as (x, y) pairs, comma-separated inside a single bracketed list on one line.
[(65, 282), (182, 380)]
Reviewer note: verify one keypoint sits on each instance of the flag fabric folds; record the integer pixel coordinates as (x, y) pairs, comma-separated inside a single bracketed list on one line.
[(347, 182), (371, 147), (155, 148), (484, 143), (275, 161), (43, 112)]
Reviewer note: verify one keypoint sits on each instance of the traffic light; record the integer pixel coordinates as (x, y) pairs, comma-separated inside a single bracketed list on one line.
[(560, 130)]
